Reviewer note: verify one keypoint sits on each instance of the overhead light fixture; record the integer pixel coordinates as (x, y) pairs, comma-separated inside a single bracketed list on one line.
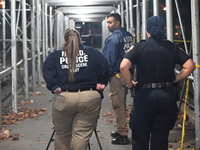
[(2, 4), (176, 33)]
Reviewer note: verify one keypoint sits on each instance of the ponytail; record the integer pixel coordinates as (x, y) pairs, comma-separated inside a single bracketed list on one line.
[(71, 48)]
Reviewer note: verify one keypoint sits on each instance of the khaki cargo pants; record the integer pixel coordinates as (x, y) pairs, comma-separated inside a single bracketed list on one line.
[(118, 92), (75, 116)]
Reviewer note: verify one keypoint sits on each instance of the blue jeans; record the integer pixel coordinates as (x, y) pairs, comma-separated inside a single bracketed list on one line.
[(153, 115)]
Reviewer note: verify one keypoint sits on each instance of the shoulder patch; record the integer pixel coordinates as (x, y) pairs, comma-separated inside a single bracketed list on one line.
[(131, 48)]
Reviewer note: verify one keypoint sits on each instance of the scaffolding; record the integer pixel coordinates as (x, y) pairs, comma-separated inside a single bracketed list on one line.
[(38, 26)]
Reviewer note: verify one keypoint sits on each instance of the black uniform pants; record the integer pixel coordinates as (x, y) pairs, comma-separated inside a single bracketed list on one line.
[(153, 115)]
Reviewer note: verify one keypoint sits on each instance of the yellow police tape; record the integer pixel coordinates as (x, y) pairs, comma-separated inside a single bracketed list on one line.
[(181, 149), (197, 66), (179, 41), (184, 114)]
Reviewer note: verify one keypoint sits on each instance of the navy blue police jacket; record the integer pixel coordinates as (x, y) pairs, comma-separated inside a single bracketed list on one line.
[(91, 68), (115, 47)]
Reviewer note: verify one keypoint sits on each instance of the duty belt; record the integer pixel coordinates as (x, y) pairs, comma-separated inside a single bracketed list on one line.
[(155, 85)]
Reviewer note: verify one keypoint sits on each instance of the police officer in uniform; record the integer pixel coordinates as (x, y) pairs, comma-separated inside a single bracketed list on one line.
[(154, 111), (115, 47), (77, 75)]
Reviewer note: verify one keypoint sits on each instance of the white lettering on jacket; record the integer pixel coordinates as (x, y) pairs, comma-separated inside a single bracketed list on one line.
[(128, 42), (81, 61)]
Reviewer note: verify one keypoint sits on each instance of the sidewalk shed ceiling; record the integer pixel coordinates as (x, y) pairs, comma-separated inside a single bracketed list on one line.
[(85, 10)]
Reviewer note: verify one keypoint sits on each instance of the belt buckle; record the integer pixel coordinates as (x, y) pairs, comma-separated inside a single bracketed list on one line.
[(156, 85)]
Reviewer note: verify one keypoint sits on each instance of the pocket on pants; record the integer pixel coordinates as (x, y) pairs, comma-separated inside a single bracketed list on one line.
[(114, 99), (60, 103)]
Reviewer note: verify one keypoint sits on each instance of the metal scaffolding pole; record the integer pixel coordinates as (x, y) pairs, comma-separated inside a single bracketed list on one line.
[(50, 28), (196, 52), (57, 30), (181, 25), (122, 13), (46, 30), (103, 32), (38, 16), (127, 15), (18, 10), (169, 21), (33, 33), (155, 8), (118, 9), (144, 19), (131, 14), (43, 30), (138, 20), (14, 59), (57, 21), (61, 28), (4, 37), (25, 55), (54, 28), (66, 22)]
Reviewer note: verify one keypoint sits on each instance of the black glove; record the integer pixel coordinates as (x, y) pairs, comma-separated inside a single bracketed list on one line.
[(101, 93)]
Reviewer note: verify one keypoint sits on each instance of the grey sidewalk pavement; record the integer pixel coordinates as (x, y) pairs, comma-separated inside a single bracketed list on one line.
[(34, 133)]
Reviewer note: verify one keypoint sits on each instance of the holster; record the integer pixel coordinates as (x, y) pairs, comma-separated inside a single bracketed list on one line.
[(101, 93), (132, 90)]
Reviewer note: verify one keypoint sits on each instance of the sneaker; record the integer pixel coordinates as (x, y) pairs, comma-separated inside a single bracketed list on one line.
[(114, 134), (123, 140)]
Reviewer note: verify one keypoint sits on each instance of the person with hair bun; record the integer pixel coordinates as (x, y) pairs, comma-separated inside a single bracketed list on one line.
[(154, 110), (76, 75)]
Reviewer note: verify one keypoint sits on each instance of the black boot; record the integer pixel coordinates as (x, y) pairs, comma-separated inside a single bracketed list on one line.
[(114, 134), (123, 140)]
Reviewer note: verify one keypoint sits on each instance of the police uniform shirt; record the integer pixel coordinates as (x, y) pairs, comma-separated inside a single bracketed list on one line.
[(155, 61)]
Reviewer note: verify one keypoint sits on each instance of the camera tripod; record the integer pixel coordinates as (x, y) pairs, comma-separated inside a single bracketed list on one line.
[(99, 143)]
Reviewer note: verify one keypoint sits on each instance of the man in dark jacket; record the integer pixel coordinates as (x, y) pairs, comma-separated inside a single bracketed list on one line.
[(116, 45)]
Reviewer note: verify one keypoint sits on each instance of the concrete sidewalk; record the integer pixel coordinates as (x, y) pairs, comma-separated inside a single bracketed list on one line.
[(34, 133)]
